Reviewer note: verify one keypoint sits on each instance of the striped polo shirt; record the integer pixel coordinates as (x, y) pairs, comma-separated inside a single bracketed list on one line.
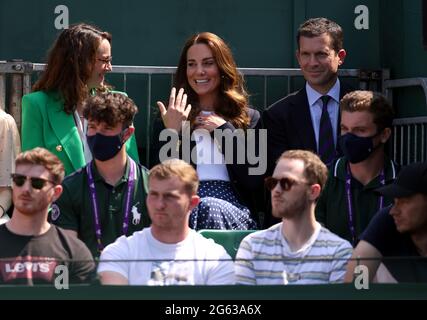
[(265, 258)]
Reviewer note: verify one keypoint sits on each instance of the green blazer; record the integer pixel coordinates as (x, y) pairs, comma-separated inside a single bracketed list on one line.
[(45, 124)]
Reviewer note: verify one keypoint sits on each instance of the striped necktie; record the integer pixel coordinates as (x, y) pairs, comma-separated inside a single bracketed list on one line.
[(326, 134)]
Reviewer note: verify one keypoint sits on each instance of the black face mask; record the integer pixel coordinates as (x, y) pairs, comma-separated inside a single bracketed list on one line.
[(103, 147), (357, 149)]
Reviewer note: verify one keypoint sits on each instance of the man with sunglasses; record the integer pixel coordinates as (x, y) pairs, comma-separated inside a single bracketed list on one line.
[(32, 249), (106, 198), (297, 250), (349, 200)]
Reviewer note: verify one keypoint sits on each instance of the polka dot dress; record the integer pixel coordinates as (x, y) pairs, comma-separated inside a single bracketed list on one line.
[(220, 209)]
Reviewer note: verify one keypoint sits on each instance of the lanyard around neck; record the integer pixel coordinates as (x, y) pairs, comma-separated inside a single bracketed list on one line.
[(95, 208), (350, 205)]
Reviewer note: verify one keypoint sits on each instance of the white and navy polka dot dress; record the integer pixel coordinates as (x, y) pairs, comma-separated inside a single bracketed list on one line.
[(219, 208)]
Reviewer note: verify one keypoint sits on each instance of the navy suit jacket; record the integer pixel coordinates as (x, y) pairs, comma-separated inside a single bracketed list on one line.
[(289, 126)]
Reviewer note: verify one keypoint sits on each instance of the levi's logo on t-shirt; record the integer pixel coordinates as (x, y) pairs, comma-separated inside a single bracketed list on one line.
[(28, 267)]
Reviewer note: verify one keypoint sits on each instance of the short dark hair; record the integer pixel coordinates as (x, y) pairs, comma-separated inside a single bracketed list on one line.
[(110, 108), (43, 157), (315, 27), (372, 102)]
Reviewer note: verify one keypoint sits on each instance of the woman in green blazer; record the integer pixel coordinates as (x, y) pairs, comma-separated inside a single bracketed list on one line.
[(52, 115)]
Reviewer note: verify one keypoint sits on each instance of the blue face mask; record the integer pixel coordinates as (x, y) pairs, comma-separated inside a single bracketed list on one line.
[(103, 147), (356, 149)]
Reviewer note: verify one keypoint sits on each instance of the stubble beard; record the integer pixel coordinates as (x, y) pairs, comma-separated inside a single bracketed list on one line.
[(292, 210)]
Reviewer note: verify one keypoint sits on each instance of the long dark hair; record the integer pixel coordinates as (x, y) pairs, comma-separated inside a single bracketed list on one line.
[(232, 103), (70, 63)]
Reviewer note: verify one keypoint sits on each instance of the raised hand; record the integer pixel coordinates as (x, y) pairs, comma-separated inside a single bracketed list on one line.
[(177, 110)]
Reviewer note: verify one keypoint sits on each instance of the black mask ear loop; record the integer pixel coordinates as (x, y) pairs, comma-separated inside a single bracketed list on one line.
[(124, 129), (376, 135), (122, 134)]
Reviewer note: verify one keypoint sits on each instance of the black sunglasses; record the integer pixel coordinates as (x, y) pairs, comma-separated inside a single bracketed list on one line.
[(36, 183), (285, 183)]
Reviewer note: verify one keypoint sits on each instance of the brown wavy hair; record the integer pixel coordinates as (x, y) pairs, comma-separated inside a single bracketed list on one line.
[(111, 108), (70, 63), (232, 103)]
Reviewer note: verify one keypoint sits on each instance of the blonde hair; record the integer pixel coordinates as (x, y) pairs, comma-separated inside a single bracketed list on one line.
[(177, 168)]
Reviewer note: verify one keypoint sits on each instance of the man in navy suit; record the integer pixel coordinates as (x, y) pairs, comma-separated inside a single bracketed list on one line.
[(309, 118), (294, 121)]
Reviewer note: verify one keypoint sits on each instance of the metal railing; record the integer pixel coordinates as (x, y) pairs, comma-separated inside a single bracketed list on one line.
[(368, 79), (21, 74), (408, 140), (389, 85)]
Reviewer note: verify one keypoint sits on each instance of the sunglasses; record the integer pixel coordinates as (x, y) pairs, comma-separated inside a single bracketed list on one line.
[(36, 183), (285, 183)]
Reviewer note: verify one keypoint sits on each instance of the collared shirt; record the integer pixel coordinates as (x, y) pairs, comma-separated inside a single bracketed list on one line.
[(73, 210), (316, 106), (81, 125), (332, 206)]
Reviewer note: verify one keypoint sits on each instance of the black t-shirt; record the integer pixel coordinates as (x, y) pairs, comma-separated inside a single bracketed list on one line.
[(33, 259), (383, 235)]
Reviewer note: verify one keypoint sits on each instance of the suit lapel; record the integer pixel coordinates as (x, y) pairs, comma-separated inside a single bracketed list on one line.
[(301, 119), (66, 131), (344, 89)]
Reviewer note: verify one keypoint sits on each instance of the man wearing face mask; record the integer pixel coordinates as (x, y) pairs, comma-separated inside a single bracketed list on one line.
[(106, 198), (348, 201)]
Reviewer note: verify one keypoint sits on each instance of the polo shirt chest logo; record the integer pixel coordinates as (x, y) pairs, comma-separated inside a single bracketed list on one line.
[(136, 215)]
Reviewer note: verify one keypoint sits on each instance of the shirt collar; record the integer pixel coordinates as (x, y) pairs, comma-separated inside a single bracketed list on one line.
[(313, 95), (97, 177), (340, 170)]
